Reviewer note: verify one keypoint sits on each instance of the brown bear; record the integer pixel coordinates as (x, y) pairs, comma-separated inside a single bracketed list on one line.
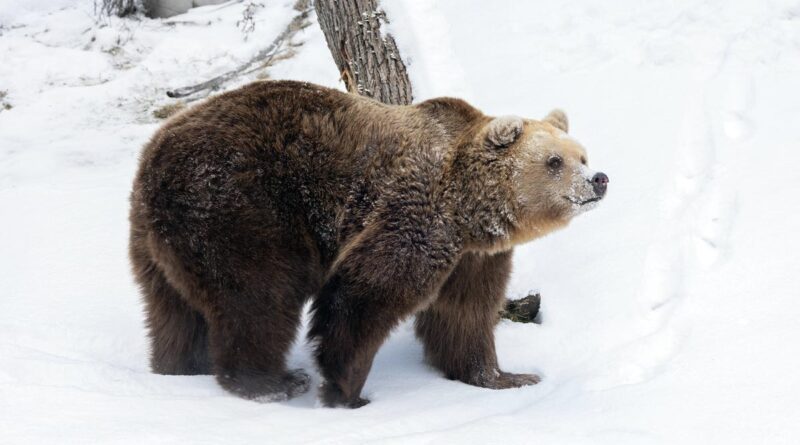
[(251, 203)]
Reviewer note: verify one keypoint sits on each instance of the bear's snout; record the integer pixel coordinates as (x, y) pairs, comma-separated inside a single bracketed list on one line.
[(600, 183)]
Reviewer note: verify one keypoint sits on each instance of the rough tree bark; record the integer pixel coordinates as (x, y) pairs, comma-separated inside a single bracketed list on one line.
[(368, 60)]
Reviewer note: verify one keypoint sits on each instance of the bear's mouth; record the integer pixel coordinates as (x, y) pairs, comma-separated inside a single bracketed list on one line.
[(582, 203)]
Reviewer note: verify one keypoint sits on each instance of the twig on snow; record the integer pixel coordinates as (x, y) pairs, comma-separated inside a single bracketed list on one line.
[(267, 54)]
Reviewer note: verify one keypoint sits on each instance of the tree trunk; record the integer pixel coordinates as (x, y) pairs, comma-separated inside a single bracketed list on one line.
[(368, 61)]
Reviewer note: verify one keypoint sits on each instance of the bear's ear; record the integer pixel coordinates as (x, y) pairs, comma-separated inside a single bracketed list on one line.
[(504, 130), (558, 119)]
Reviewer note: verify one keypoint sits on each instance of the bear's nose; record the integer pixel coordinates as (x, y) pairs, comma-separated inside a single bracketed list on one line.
[(600, 183)]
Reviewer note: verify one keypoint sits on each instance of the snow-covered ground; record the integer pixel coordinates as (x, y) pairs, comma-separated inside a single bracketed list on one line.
[(670, 313)]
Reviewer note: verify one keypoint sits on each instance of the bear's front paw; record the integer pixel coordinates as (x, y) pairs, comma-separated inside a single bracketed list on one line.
[(332, 396)]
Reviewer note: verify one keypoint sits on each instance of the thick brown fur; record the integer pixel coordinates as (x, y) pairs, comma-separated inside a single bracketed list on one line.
[(251, 203)]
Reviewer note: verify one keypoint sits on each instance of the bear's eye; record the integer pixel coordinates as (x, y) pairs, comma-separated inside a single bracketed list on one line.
[(555, 162), (583, 160)]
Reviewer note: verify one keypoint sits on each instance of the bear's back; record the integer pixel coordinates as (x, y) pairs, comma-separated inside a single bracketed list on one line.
[(276, 153)]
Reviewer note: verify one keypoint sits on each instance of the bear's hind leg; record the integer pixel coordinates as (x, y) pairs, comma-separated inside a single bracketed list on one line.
[(457, 330), (178, 333), (251, 335)]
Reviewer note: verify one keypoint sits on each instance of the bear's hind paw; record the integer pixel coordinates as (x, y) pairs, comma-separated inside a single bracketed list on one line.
[(509, 380), (297, 382), (496, 379), (332, 396), (267, 389)]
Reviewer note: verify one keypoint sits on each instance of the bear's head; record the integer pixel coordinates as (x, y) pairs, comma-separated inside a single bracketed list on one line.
[(549, 178)]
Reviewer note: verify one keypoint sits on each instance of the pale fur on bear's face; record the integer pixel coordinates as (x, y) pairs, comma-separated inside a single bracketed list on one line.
[(551, 180)]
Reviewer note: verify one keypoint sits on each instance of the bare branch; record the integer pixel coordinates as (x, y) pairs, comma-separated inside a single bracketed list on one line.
[(300, 21)]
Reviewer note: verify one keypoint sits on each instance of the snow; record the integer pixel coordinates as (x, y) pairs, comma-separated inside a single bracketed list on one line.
[(669, 311)]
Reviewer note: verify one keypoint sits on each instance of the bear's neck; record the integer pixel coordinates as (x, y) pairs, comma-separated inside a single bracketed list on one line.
[(483, 213)]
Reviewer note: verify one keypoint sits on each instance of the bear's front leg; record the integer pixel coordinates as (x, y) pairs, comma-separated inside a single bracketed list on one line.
[(384, 277), (457, 330)]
